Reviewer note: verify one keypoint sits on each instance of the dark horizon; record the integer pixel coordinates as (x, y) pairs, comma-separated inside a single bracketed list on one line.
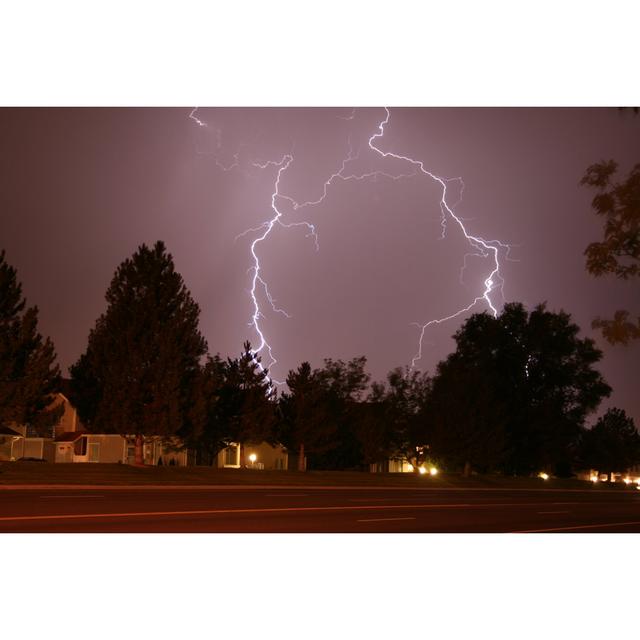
[(85, 187)]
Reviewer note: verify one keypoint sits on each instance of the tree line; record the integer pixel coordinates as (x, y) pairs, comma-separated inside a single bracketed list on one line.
[(513, 398)]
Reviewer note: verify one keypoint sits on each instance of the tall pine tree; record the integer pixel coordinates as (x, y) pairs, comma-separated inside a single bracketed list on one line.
[(138, 372), (28, 373)]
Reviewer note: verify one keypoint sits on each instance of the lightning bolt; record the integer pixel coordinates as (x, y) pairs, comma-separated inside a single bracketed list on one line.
[(486, 248), (480, 247)]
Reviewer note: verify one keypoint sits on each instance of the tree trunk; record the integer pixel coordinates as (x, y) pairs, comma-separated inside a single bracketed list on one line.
[(467, 469), (139, 451), (301, 464)]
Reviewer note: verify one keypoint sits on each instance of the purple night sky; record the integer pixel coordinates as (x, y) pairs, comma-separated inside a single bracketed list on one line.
[(82, 188)]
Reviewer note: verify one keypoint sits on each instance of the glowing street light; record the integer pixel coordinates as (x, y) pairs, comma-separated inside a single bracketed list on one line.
[(543, 475), (433, 471), (252, 458), (422, 470)]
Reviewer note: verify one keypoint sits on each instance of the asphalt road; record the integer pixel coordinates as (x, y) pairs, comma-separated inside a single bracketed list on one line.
[(316, 510)]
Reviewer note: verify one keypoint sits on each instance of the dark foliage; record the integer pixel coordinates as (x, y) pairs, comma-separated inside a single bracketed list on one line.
[(618, 253), (612, 445), (515, 393), (28, 373), (142, 361), (319, 412)]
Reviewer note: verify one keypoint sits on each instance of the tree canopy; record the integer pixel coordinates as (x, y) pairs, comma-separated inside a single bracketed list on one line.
[(319, 411), (29, 375), (143, 355), (403, 402), (618, 253), (516, 391), (612, 444), (234, 403)]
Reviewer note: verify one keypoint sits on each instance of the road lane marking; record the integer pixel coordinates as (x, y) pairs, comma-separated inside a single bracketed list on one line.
[(623, 491), (378, 507), (584, 526), (541, 512), (286, 495), (384, 519), (48, 497)]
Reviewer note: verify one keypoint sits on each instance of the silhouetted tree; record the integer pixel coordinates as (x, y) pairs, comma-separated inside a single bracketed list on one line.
[(403, 401), (307, 426), (372, 427), (28, 373), (468, 417), (211, 423), (344, 384), (530, 379), (612, 444), (618, 254), (143, 355), (252, 396), (319, 412)]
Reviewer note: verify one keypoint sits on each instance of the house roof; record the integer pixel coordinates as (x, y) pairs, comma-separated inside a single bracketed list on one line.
[(70, 436), (8, 431)]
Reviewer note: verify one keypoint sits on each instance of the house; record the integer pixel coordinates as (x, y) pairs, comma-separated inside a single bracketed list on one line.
[(631, 476), (15, 444), (401, 463), (81, 446), (69, 420), (159, 451), (398, 464), (253, 456)]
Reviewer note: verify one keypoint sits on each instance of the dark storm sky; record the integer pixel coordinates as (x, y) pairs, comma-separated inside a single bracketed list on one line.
[(80, 189)]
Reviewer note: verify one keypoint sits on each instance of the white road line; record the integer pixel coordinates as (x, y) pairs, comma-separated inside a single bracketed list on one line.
[(143, 514), (258, 487), (584, 526), (384, 519), (371, 507), (48, 497)]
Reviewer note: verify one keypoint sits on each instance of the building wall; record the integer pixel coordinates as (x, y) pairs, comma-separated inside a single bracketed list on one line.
[(14, 448), (41, 448), (392, 465), (10, 447), (111, 447), (69, 421), (267, 457), (157, 451), (64, 452)]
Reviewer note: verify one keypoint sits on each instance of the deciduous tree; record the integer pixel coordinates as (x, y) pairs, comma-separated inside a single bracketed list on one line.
[(618, 253), (526, 381), (612, 444)]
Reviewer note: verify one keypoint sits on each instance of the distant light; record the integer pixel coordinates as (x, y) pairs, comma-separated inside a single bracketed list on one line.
[(422, 470), (627, 480), (594, 478), (253, 457), (638, 481), (433, 471), (410, 467), (543, 475)]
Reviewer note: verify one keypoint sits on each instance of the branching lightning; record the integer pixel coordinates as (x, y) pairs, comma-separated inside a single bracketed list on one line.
[(493, 250)]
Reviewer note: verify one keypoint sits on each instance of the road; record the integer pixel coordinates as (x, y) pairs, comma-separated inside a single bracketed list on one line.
[(316, 510)]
